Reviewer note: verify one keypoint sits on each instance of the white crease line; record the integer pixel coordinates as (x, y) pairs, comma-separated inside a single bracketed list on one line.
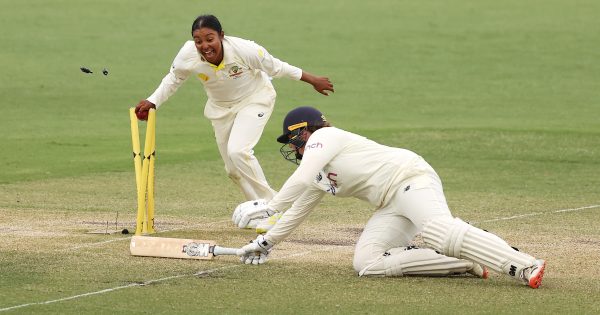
[(539, 213), (128, 237), (575, 209), (131, 285), (234, 266), (224, 221)]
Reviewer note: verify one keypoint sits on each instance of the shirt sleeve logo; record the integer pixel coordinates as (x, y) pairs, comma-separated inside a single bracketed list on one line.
[(203, 77)]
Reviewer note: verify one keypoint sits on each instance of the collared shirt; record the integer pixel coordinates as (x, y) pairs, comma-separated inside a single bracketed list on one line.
[(246, 67), (342, 164)]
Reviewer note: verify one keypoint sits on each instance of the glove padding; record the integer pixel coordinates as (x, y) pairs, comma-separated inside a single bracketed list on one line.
[(257, 251), (247, 214)]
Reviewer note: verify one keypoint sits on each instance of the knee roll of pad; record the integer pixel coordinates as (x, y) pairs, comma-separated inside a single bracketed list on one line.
[(445, 235), (456, 238), (452, 237)]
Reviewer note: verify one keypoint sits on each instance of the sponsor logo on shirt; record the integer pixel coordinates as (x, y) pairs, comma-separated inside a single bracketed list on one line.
[(317, 145), (332, 178), (331, 190), (332, 183), (235, 72), (327, 183)]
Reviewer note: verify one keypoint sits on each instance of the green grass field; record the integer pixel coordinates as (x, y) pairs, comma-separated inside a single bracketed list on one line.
[(501, 98)]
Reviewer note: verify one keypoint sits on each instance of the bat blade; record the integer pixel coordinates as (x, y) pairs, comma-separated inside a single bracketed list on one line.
[(171, 247)]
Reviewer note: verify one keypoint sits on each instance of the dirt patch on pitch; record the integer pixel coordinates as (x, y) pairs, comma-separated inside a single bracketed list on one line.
[(62, 230), (326, 235), (314, 241), (586, 241)]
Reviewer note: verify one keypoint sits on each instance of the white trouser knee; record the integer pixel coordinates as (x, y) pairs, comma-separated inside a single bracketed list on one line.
[(246, 172)]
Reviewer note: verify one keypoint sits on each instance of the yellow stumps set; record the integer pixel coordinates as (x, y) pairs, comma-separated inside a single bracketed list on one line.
[(144, 172)]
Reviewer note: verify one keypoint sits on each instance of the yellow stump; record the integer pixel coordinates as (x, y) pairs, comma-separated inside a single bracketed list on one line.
[(144, 172), (151, 131)]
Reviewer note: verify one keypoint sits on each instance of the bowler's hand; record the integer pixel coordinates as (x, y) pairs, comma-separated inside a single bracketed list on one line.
[(320, 84), (142, 108)]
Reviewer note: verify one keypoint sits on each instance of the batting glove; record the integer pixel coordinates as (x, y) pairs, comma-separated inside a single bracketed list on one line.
[(248, 214), (257, 251)]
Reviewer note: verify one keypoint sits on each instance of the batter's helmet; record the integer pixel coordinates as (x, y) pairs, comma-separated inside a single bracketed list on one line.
[(294, 123), (298, 118)]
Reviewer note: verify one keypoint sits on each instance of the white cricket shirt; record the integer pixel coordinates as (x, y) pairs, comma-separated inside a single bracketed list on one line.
[(343, 164), (245, 68)]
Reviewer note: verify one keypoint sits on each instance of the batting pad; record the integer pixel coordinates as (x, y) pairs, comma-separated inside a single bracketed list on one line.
[(456, 238), (415, 261)]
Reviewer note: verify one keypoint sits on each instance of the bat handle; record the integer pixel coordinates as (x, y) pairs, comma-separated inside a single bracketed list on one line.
[(218, 251)]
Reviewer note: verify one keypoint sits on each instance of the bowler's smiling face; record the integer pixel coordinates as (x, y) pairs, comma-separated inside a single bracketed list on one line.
[(209, 44)]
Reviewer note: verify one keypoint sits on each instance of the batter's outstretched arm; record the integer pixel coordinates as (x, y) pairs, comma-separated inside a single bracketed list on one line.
[(295, 215)]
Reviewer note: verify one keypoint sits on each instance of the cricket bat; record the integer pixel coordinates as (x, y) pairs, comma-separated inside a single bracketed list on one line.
[(178, 248)]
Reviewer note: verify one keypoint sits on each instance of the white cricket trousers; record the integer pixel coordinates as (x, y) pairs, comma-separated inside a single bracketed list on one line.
[(238, 128), (416, 200)]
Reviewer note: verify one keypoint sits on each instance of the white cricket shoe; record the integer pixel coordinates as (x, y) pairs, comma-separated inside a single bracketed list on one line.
[(266, 224), (532, 276)]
